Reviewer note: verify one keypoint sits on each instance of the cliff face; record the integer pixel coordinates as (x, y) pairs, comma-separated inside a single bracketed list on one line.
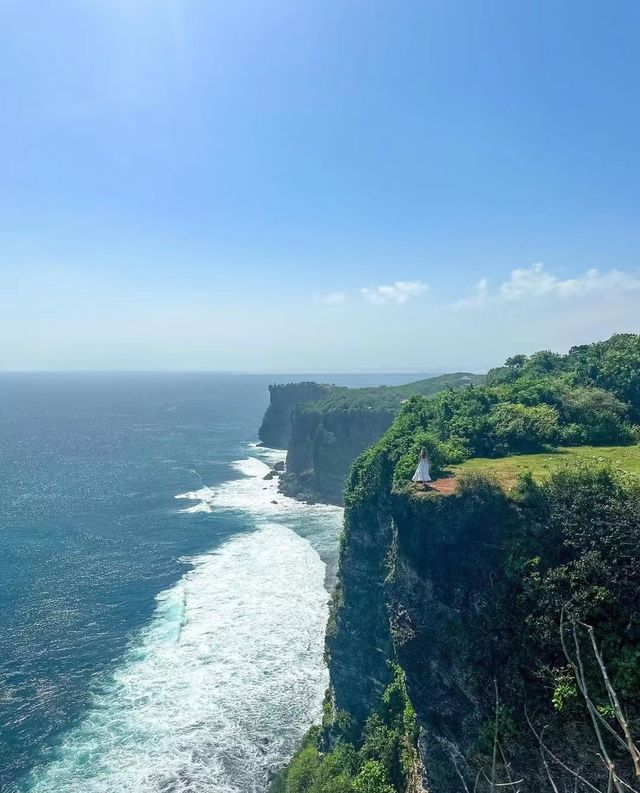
[(275, 430), (323, 446), (443, 602), (358, 638), (465, 593)]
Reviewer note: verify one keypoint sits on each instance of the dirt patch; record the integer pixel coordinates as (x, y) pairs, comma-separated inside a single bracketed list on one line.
[(447, 486)]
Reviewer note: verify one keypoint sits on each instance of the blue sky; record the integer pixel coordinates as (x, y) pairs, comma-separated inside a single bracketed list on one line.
[(299, 186)]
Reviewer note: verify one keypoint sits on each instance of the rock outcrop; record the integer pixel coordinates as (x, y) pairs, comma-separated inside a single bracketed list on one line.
[(324, 445), (275, 430)]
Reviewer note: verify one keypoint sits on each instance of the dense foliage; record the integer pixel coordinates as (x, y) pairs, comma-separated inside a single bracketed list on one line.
[(591, 396), (500, 573), (569, 561), (613, 365), (379, 759), (341, 398)]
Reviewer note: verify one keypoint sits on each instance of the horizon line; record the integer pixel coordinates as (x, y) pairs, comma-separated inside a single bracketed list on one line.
[(363, 373)]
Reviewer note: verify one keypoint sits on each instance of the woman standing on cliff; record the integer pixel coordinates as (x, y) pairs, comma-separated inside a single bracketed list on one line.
[(422, 471)]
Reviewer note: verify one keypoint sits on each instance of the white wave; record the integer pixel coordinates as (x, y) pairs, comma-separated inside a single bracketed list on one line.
[(217, 690), (253, 494), (266, 453)]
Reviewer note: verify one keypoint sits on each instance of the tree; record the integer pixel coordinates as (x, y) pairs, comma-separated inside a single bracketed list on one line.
[(518, 428), (613, 365)]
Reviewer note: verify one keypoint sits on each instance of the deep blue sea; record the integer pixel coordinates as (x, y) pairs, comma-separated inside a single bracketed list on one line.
[(161, 618)]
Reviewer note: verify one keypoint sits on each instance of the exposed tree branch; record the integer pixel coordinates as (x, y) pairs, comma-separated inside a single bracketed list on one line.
[(546, 767), (459, 773), (578, 670), (495, 739), (578, 777), (615, 703)]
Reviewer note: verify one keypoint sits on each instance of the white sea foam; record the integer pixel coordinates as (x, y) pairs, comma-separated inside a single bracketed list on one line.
[(252, 493), (255, 496), (216, 691)]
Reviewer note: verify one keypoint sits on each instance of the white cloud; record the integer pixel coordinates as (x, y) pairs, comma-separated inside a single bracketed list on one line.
[(330, 299), (397, 292), (535, 282)]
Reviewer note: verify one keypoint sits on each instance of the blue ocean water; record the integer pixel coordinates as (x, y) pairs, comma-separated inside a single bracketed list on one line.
[(162, 606)]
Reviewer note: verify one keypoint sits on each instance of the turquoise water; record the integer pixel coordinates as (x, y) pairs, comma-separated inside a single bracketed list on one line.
[(162, 619)]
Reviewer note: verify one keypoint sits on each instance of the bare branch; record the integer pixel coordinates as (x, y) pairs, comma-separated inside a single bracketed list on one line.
[(502, 784), (547, 769), (578, 670), (573, 773), (459, 773), (507, 765), (615, 703), (495, 740)]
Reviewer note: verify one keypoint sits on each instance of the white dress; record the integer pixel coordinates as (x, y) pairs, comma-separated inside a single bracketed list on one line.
[(422, 472)]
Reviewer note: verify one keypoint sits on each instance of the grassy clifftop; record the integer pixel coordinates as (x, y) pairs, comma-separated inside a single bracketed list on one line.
[(507, 470)]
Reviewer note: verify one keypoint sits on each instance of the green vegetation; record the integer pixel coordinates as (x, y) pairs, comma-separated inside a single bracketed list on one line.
[(532, 404), (341, 398), (378, 760), (612, 365)]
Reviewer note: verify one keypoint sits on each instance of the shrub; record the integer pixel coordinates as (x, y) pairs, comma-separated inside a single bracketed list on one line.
[(371, 779), (594, 416), (518, 428)]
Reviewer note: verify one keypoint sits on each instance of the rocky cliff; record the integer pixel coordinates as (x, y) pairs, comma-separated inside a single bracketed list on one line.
[(323, 446), (325, 427), (466, 593), (275, 430)]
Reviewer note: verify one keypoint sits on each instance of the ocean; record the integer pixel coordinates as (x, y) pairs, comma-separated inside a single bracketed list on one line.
[(162, 606)]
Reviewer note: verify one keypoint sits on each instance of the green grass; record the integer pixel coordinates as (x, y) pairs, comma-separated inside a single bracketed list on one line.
[(507, 469)]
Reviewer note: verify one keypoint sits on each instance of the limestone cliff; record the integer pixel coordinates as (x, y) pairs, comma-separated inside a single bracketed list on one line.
[(325, 427), (465, 593), (323, 446), (275, 430)]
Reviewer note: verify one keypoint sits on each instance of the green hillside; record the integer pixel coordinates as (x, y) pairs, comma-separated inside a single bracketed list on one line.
[(390, 397)]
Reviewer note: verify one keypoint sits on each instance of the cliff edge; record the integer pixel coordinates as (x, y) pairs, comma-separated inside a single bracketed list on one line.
[(325, 427), (276, 427), (489, 638)]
